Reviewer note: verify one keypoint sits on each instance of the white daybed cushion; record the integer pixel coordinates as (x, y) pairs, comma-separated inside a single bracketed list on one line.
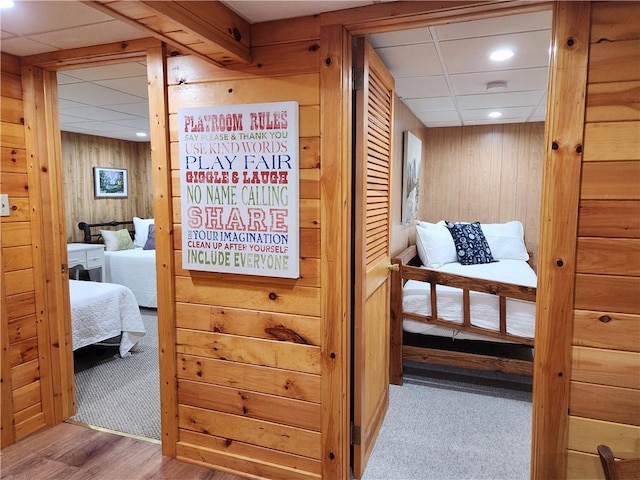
[(135, 269), (485, 309), (104, 310)]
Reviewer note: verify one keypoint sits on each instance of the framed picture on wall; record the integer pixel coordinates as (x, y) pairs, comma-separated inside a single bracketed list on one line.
[(110, 182), (411, 177)]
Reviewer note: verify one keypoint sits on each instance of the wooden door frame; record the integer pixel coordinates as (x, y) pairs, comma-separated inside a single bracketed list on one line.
[(567, 73), (43, 145)]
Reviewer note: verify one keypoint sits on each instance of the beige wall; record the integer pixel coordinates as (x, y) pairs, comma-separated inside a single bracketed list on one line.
[(80, 153), (484, 173)]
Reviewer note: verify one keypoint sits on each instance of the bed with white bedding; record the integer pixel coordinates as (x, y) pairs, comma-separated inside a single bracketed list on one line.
[(434, 295), (131, 263), (136, 269), (100, 311)]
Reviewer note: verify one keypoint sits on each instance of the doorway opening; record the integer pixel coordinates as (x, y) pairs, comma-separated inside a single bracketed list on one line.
[(466, 156), (104, 127)]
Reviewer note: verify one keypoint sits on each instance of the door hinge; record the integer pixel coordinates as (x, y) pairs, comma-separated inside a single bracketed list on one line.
[(358, 78), (356, 431)]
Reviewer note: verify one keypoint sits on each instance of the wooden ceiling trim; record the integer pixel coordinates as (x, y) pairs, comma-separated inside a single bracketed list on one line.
[(98, 54), (210, 22), (402, 15), (223, 31)]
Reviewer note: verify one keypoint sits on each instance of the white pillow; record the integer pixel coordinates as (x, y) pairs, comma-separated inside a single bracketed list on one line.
[(116, 239), (435, 244), (141, 226), (506, 240)]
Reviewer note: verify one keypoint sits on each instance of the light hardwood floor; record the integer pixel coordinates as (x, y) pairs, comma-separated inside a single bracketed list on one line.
[(74, 452)]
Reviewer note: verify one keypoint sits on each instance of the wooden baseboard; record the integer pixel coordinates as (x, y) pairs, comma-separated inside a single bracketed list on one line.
[(467, 360)]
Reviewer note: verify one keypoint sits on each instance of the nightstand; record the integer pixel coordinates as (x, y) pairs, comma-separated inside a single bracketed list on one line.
[(90, 256)]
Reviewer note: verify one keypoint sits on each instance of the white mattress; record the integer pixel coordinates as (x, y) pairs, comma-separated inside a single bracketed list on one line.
[(104, 310), (485, 308), (135, 269)]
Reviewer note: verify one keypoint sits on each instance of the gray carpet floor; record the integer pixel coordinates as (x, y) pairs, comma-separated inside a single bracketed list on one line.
[(450, 426), (121, 394), (441, 424)]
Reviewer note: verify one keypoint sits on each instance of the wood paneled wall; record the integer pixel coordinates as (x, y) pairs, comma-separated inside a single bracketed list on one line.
[(404, 120), (485, 173), (604, 404), (250, 398), (80, 153), (24, 382)]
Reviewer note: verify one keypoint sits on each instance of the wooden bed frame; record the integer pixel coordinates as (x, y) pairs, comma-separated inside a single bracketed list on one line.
[(89, 237), (406, 267)]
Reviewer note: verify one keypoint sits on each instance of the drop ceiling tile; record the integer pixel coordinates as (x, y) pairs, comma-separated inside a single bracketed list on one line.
[(518, 80), (22, 47), (65, 103), (256, 11), (499, 121), (64, 79), (403, 37), (507, 113), (430, 104), (134, 86), (540, 111), (140, 109), (28, 18), (92, 94), (419, 60), (472, 55), (418, 87), (443, 116), (108, 72), (96, 113), (137, 124), (105, 32), (443, 124), (71, 119), (496, 26), (492, 100)]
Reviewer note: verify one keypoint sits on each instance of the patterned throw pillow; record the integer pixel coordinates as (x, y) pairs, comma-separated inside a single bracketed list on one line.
[(117, 240), (471, 245)]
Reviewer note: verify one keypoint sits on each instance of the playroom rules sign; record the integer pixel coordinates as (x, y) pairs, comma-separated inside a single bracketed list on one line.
[(239, 188)]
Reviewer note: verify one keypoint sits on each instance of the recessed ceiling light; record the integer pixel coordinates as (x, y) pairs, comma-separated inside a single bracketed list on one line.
[(6, 3), (501, 55), (141, 134), (495, 114)]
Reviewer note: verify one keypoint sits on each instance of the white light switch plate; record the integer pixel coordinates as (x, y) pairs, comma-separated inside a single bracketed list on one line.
[(4, 202)]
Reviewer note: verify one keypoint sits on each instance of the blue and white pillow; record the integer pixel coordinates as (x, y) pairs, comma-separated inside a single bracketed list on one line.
[(472, 247)]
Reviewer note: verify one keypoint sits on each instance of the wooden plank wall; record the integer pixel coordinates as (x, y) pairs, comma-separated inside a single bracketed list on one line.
[(80, 153), (485, 173), (403, 235), (23, 402), (604, 405), (249, 348)]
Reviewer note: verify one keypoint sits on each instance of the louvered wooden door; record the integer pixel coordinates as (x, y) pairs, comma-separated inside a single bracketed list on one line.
[(373, 136)]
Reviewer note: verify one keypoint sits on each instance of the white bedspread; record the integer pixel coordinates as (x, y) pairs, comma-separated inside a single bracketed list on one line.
[(104, 310), (135, 269), (485, 308)]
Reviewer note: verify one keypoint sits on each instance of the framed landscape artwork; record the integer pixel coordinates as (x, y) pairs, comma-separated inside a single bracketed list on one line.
[(411, 177), (110, 182)]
